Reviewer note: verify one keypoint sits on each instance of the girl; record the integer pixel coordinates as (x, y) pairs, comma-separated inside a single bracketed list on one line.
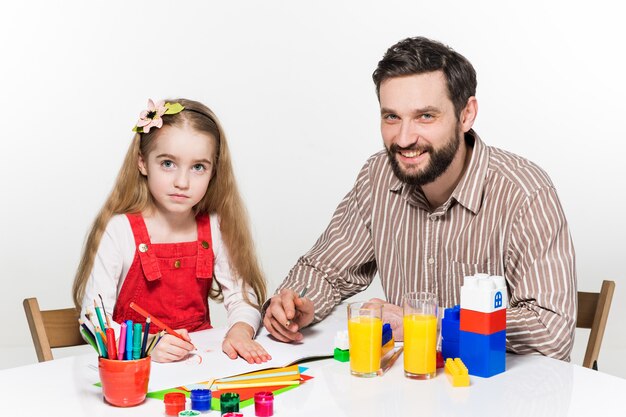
[(173, 233)]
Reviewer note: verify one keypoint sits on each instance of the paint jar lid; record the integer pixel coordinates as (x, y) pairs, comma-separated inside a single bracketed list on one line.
[(174, 398), (189, 413), (200, 394), (232, 414), (264, 396)]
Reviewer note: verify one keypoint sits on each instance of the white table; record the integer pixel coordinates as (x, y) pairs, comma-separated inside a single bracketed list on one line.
[(531, 386)]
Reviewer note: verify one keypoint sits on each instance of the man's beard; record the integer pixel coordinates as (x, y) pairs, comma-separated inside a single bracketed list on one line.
[(440, 160)]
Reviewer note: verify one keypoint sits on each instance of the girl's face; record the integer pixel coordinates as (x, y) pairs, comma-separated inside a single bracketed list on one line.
[(179, 168)]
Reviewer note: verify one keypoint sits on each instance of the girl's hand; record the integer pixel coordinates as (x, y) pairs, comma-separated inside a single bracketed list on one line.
[(239, 342), (172, 349)]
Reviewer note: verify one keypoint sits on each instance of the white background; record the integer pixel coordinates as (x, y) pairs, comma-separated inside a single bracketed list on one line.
[(291, 82)]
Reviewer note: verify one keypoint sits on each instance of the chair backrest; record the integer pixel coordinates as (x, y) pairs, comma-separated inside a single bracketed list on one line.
[(52, 328), (593, 312)]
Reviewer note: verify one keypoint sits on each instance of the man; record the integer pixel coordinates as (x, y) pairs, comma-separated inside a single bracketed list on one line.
[(435, 206)]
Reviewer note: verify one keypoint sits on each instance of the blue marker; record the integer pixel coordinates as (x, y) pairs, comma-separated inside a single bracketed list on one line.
[(129, 340)]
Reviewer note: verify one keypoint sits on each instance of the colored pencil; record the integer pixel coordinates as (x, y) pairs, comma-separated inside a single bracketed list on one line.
[(144, 344), (89, 339), (240, 379), (156, 321), (87, 329), (100, 320), (155, 341), (390, 362), (101, 344), (104, 311)]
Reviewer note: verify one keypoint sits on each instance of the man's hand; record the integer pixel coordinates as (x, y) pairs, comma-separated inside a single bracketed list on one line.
[(286, 314), (393, 315)]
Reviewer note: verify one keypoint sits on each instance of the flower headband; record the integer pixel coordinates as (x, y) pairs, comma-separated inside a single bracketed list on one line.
[(152, 116)]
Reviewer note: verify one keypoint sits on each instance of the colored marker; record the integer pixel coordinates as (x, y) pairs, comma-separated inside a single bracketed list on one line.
[(111, 350), (129, 339), (122, 345), (137, 341), (144, 344), (156, 321)]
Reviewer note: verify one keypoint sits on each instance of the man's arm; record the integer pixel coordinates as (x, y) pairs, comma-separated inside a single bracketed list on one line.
[(340, 264), (540, 270)]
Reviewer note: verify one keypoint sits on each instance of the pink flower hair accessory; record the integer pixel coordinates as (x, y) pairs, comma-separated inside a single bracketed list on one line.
[(152, 117)]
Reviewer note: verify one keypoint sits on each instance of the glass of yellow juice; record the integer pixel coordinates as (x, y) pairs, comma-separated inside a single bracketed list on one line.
[(365, 332), (421, 331)]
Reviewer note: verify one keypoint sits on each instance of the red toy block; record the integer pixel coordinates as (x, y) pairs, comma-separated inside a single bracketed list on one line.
[(483, 323)]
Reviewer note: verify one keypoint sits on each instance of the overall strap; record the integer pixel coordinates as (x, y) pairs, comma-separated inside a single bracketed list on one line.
[(144, 248)]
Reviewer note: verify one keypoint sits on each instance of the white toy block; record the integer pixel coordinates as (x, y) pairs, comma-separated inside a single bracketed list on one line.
[(342, 341), (484, 293)]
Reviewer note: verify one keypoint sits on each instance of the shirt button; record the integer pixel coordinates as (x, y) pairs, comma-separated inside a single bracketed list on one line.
[(431, 260), (205, 244), (177, 263), (143, 248)]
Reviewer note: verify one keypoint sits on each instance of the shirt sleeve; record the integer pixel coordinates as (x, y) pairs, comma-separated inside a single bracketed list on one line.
[(342, 262), (110, 266), (233, 288), (542, 279)]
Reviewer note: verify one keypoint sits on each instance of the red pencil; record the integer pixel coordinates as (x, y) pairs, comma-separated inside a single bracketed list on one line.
[(156, 321)]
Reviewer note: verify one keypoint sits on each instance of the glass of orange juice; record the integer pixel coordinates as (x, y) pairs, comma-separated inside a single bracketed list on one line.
[(421, 331), (365, 332)]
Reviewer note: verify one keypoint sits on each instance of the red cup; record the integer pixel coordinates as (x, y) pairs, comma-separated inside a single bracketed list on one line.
[(124, 383)]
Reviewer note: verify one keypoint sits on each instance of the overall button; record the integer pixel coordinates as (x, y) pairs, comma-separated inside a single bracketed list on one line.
[(143, 247), (431, 260), (205, 244), (177, 263)]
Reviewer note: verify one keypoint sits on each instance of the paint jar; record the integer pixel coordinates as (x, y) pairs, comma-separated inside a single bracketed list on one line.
[(229, 402), (201, 400), (174, 403), (264, 404), (124, 383)]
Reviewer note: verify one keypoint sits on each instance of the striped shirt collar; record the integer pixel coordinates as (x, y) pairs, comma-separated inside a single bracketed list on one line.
[(468, 192)]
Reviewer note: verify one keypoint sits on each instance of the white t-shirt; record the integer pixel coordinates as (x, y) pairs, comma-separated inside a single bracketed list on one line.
[(115, 256)]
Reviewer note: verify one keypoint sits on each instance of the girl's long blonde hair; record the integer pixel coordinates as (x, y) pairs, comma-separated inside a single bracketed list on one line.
[(130, 195)]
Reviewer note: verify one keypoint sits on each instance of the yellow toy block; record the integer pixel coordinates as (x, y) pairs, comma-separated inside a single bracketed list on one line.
[(457, 372)]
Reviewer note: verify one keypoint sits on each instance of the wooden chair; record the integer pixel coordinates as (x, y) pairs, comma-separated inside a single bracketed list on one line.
[(52, 328), (593, 311)]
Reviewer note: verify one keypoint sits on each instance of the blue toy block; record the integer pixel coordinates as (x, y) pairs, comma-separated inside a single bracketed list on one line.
[(484, 355), (451, 323), (387, 333), (450, 349)]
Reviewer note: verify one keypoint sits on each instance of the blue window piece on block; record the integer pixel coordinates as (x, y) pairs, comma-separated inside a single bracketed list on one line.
[(497, 300), (484, 355)]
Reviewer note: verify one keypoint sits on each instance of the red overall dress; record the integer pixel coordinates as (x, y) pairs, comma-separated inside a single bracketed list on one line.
[(170, 280)]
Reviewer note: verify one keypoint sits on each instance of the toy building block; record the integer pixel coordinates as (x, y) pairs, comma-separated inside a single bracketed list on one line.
[(341, 355), (388, 343), (450, 325), (485, 294), (482, 323), (439, 360), (342, 345), (484, 355), (457, 372)]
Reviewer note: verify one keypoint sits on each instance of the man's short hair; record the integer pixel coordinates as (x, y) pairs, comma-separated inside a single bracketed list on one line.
[(420, 55)]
